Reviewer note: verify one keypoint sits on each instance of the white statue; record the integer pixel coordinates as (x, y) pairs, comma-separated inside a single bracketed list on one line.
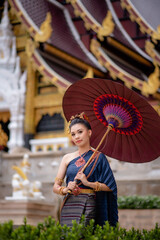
[(22, 187), (12, 82)]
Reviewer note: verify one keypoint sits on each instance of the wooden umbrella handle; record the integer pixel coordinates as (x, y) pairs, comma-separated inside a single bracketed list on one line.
[(104, 136)]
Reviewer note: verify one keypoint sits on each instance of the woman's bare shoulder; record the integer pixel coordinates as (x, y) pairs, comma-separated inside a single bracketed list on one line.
[(69, 157)]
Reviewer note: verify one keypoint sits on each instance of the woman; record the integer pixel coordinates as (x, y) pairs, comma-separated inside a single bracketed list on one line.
[(95, 194)]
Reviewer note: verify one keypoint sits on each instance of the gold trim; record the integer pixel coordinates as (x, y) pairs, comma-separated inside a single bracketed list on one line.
[(126, 50), (90, 22), (150, 49), (52, 77), (149, 87), (114, 70), (19, 15), (144, 26)]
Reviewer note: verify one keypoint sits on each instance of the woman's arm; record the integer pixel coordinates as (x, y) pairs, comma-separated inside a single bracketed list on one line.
[(95, 185), (57, 187)]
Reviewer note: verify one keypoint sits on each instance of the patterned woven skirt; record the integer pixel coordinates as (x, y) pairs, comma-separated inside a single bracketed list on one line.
[(76, 206)]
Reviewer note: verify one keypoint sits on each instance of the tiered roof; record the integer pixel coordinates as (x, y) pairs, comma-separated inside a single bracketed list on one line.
[(110, 42)]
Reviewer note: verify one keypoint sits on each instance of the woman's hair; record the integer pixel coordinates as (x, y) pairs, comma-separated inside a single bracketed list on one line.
[(81, 121)]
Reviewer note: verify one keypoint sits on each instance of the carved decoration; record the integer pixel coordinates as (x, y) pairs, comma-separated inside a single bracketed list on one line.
[(103, 30), (153, 83), (107, 27), (40, 35), (45, 30)]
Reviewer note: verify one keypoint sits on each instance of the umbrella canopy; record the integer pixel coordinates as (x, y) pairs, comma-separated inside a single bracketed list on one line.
[(135, 136)]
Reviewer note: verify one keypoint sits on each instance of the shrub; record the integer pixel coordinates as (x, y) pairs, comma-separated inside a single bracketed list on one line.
[(139, 202), (52, 230)]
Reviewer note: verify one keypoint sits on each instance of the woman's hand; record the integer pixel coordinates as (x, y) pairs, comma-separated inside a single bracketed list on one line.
[(82, 177), (72, 185)]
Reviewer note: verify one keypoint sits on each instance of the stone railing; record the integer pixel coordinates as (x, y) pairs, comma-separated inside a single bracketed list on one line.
[(50, 144)]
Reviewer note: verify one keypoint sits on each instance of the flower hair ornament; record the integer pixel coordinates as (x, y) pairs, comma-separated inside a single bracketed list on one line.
[(80, 115)]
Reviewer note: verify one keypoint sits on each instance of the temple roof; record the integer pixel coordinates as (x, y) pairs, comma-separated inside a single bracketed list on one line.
[(146, 14), (64, 35), (121, 45)]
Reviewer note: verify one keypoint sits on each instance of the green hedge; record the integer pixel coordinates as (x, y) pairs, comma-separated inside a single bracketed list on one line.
[(139, 202), (52, 230)]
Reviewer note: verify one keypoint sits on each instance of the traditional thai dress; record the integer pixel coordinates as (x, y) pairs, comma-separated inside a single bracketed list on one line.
[(101, 206)]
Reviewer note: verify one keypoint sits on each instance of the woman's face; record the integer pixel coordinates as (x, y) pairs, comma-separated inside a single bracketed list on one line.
[(80, 134)]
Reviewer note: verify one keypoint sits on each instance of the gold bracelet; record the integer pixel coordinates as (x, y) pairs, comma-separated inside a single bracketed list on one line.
[(98, 187), (59, 179), (61, 191)]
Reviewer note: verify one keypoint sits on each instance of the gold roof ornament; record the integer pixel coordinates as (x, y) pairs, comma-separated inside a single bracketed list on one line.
[(156, 35), (102, 30), (107, 27), (90, 73), (45, 30), (153, 83), (3, 137)]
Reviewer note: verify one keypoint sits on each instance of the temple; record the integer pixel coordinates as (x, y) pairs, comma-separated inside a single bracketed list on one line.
[(47, 45)]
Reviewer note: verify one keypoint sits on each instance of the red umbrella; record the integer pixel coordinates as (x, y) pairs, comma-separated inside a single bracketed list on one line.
[(132, 125)]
